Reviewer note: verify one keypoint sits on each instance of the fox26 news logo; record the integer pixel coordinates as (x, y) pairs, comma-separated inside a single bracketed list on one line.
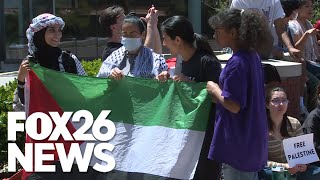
[(53, 127)]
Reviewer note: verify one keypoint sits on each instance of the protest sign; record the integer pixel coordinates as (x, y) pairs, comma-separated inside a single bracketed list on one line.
[(300, 150)]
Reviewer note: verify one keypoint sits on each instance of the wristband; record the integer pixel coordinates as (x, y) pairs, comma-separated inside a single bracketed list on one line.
[(21, 84)]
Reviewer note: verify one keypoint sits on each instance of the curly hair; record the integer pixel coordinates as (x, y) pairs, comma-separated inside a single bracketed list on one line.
[(252, 29), (109, 17)]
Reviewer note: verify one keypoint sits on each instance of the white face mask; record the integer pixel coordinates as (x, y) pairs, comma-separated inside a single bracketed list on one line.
[(131, 44)]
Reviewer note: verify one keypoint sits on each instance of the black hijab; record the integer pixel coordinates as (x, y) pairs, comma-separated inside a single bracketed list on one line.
[(46, 55)]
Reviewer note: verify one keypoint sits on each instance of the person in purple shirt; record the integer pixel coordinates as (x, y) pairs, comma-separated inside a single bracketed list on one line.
[(240, 139)]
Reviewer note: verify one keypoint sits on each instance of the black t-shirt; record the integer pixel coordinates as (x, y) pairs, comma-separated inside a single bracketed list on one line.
[(202, 67), (111, 46)]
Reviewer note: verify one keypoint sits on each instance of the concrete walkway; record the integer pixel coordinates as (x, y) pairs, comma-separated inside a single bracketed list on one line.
[(6, 77), (8, 72)]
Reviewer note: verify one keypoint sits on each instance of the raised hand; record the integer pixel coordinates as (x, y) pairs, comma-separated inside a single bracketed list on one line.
[(23, 70)]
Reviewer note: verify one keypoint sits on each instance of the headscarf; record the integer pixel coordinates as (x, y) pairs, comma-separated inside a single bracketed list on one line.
[(46, 55), (38, 23)]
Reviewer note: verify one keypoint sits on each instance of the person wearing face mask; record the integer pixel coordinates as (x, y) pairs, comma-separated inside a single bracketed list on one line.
[(111, 20), (133, 58)]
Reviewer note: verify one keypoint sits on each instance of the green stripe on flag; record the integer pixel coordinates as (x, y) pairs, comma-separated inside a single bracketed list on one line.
[(136, 101)]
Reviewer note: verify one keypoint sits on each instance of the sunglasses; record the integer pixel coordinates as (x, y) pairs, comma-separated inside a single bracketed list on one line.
[(277, 102)]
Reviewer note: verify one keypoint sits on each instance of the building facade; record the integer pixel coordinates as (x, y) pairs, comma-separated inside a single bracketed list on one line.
[(82, 34)]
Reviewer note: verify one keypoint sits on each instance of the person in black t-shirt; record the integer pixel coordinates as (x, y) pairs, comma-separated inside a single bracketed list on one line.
[(111, 20), (199, 62), (200, 65)]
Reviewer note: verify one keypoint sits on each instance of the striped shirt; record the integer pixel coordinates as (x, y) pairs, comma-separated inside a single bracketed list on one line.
[(276, 156)]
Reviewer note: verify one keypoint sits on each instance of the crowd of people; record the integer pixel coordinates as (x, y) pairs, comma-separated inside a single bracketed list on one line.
[(247, 124)]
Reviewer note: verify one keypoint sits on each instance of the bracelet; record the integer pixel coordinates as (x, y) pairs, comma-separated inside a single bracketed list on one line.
[(21, 84)]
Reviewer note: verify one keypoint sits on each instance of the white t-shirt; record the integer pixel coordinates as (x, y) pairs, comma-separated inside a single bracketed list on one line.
[(271, 9), (311, 49)]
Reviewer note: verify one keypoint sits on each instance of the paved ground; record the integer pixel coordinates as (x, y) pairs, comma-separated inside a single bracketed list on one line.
[(8, 72)]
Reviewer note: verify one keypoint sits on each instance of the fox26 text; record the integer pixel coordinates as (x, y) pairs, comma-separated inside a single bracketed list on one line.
[(68, 138)]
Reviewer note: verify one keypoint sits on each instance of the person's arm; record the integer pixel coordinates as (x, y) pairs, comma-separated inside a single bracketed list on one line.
[(107, 66), (214, 89), (22, 74), (153, 40), (149, 34), (300, 44), (23, 70), (281, 32), (157, 41), (233, 94)]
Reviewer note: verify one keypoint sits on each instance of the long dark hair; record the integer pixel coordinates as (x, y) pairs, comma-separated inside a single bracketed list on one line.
[(133, 19), (182, 27), (285, 120)]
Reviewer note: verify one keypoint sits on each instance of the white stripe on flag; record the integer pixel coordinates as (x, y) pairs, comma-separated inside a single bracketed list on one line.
[(155, 150)]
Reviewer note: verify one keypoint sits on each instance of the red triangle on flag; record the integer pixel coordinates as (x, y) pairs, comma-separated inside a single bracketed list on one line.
[(42, 101)]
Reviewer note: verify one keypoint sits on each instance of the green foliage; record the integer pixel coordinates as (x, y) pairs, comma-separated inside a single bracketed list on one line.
[(11, 29), (316, 12), (92, 67), (213, 7), (6, 98)]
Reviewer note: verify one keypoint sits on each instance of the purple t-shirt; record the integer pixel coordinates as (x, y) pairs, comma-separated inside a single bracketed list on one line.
[(241, 140)]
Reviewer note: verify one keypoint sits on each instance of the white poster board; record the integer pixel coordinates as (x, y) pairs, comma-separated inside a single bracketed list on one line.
[(300, 150)]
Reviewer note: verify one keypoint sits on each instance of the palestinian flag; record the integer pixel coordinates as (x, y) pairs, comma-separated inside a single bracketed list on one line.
[(160, 127)]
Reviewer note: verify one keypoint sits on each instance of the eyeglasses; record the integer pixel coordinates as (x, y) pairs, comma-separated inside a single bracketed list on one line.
[(277, 102)]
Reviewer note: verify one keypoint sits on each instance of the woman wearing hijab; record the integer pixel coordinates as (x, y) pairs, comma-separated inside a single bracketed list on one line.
[(44, 35)]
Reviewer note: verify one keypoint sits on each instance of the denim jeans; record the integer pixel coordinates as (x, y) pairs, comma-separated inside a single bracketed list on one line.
[(230, 173)]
